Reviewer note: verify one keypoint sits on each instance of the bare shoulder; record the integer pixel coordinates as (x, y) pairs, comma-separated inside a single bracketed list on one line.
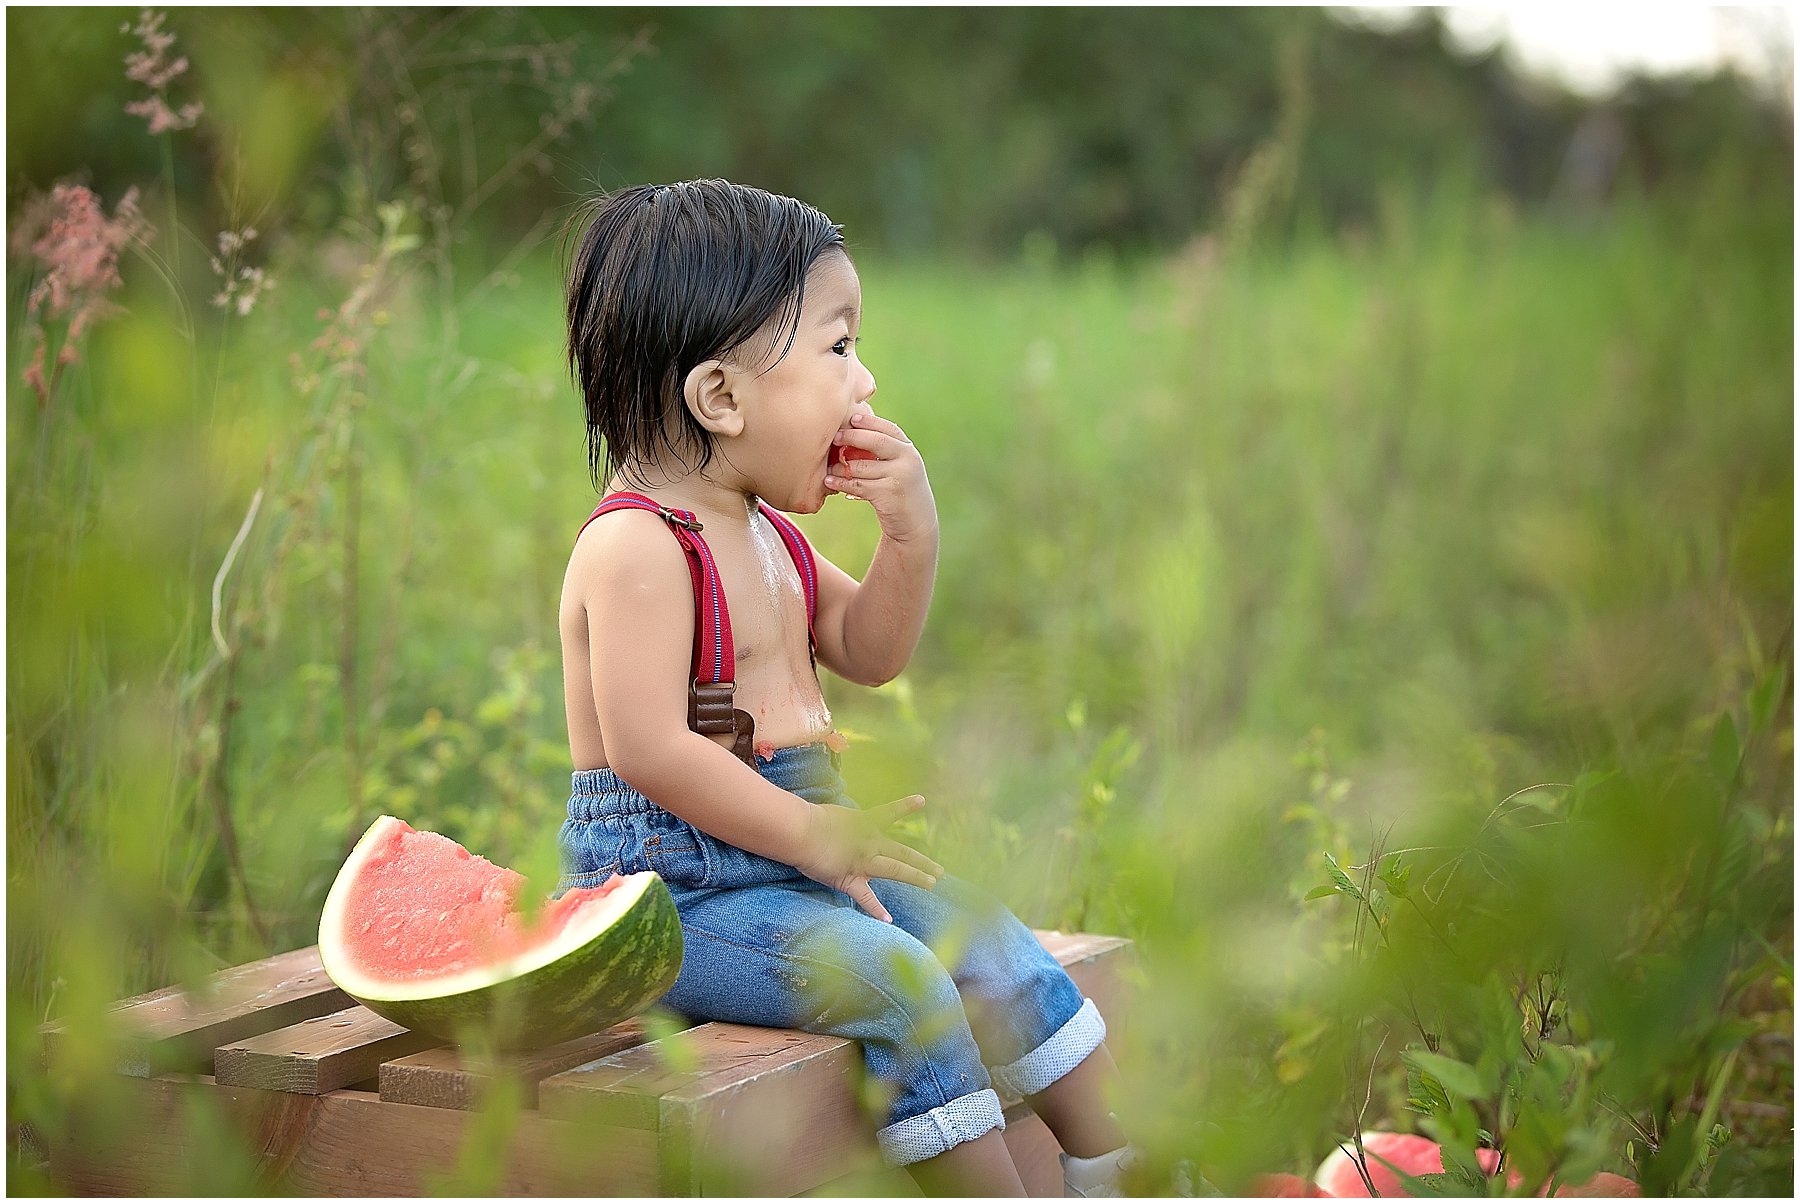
[(624, 556), (628, 631)]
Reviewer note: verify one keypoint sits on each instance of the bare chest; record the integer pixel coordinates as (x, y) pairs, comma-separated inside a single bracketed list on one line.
[(765, 601)]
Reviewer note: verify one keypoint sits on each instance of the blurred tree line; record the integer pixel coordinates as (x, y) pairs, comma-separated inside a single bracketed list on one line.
[(961, 131)]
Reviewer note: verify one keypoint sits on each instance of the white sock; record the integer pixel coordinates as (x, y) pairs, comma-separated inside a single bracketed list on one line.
[(1102, 1174)]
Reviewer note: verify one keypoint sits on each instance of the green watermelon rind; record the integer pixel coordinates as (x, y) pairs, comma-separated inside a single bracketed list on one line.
[(613, 961)]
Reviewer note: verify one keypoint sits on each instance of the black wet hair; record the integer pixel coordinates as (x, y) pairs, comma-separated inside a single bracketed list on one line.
[(666, 277)]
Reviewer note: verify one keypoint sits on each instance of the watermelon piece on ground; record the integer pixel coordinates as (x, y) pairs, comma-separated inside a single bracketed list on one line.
[(1603, 1184), (1283, 1186), (1420, 1156), (421, 931)]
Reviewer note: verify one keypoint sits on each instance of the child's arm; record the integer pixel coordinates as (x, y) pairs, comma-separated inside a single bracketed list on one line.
[(633, 580), (867, 632)]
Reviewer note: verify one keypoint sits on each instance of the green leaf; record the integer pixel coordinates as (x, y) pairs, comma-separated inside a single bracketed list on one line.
[(1737, 854), (1765, 697), (1395, 877), (1722, 757), (1555, 1062), (1465, 1173), (1459, 1078), (1343, 880), (1076, 715), (494, 710), (1436, 1184), (1319, 892)]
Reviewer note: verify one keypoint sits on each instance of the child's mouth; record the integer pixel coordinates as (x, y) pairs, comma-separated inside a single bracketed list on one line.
[(843, 451)]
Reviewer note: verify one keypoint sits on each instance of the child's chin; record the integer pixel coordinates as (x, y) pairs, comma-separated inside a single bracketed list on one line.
[(800, 505)]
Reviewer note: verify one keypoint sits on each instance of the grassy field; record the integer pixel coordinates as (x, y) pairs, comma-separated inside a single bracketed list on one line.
[(1466, 537)]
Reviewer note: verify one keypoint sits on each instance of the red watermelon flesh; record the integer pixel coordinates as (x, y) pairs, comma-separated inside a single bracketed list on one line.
[(1603, 1184), (843, 451), (470, 905), (1284, 1186)]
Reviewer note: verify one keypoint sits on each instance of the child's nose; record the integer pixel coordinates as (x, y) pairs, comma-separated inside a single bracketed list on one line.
[(868, 386)]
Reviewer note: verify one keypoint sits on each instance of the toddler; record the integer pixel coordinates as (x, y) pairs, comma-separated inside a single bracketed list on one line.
[(712, 333)]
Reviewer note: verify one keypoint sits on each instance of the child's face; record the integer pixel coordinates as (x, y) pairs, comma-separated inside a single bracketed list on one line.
[(792, 409)]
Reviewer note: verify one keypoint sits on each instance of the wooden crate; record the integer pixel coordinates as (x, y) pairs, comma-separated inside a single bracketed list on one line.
[(330, 1099)]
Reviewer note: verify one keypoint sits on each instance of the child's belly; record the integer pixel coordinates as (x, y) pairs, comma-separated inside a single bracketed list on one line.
[(784, 700)]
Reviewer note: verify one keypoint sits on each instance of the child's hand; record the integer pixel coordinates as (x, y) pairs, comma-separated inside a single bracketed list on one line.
[(890, 478), (844, 848)]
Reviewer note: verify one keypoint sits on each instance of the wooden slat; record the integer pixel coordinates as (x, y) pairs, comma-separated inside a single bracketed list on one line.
[(173, 1030), (346, 1143), (626, 1088), (739, 1111), (317, 1055), (446, 1078), (769, 1125), (755, 1111)]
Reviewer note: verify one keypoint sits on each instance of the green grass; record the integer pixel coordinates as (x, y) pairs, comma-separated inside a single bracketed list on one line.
[(1250, 556)]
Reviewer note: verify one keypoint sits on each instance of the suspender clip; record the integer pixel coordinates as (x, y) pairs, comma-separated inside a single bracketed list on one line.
[(691, 524)]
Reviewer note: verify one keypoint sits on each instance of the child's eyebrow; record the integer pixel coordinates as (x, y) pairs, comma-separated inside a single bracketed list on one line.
[(847, 312)]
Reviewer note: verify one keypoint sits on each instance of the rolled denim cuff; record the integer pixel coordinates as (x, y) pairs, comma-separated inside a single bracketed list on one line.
[(962, 1119), (1056, 1057)]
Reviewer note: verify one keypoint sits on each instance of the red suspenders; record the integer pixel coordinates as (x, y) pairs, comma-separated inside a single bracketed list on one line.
[(713, 683)]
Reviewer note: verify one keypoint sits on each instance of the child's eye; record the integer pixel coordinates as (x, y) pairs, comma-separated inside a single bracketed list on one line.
[(843, 345)]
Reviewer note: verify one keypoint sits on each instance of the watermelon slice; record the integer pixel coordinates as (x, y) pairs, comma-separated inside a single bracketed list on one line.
[(421, 931), (844, 451), (1418, 1156)]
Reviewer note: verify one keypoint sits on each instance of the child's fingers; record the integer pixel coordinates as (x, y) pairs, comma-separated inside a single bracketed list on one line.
[(889, 814), (868, 486), (914, 858), (899, 871), (881, 444), (893, 850), (859, 892), (875, 422), (870, 470)]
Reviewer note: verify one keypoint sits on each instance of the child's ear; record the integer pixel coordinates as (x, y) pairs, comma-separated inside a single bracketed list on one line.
[(710, 399)]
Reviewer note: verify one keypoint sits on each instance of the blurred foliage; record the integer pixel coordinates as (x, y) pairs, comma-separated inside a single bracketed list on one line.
[(1367, 562), (946, 129)]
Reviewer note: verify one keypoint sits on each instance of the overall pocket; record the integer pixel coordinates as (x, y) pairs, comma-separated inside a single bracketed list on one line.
[(671, 847), (590, 851)]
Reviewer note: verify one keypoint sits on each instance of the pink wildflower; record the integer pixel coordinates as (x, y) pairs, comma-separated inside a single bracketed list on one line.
[(162, 118), (77, 246), (150, 68), (34, 371)]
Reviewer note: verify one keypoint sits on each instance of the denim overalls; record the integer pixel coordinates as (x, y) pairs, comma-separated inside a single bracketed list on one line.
[(954, 998)]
